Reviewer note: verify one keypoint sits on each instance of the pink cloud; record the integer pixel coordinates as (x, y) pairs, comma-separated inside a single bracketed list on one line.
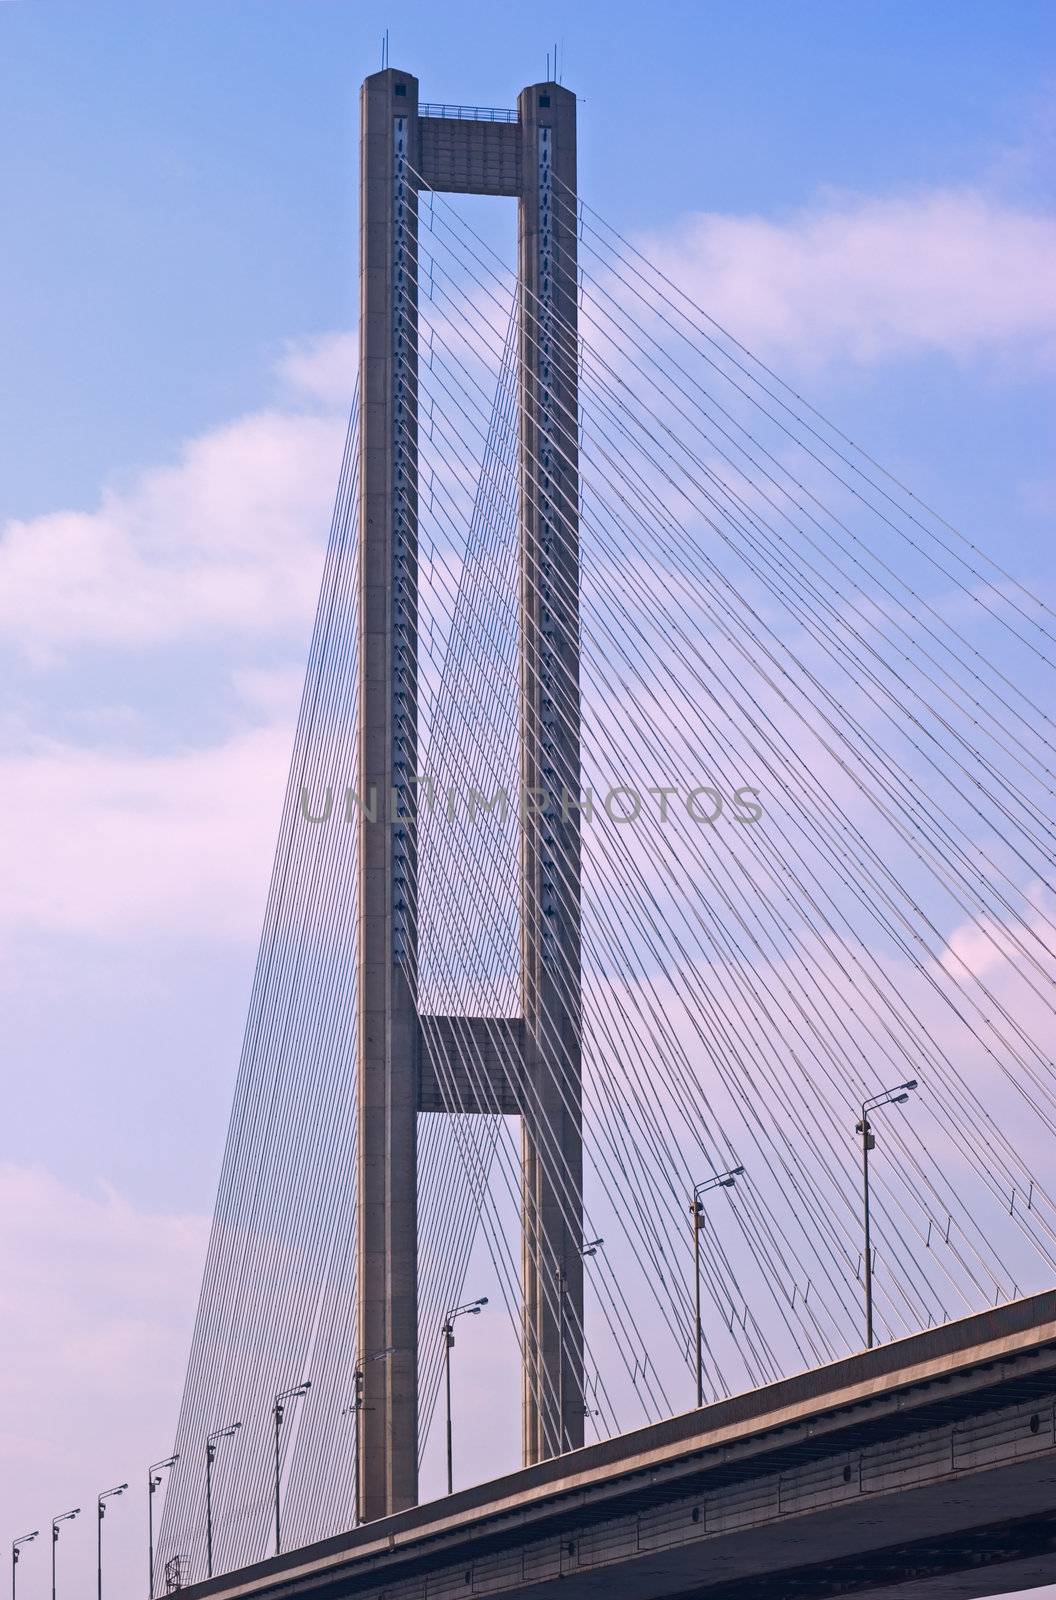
[(228, 540), (108, 843), (867, 279)]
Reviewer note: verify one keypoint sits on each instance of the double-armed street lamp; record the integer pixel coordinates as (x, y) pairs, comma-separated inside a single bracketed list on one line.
[(211, 1442), (591, 1248), (471, 1309), (721, 1180), (278, 1413), (67, 1516), (153, 1485), (100, 1513), (354, 1410), (23, 1538), (888, 1097)]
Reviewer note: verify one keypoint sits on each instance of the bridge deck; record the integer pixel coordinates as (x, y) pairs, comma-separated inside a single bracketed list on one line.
[(928, 1462)]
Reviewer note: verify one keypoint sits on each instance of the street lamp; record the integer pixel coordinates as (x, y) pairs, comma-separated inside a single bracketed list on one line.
[(153, 1484), (67, 1516), (721, 1180), (278, 1413), (211, 1442), (591, 1248), (472, 1309), (356, 1407), (100, 1507), (888, 1097), (24, 1538)]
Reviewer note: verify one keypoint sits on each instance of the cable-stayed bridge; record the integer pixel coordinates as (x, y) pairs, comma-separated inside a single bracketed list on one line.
[(669, 824)]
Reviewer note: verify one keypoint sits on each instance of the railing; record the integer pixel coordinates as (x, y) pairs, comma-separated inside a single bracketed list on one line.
[(468, 113)]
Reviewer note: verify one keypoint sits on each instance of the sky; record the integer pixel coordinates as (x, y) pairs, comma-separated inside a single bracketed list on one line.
[(864, 194)]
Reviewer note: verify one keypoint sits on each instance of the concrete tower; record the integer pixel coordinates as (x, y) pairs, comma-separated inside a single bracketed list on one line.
[(530, 156)]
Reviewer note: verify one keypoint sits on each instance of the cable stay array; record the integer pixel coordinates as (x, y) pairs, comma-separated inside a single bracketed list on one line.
[(817, 770)]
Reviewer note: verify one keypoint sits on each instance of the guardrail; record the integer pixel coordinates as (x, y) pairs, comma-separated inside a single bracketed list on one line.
[(467, 113)]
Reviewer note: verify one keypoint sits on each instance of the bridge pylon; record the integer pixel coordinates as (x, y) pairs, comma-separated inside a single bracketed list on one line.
[(531, 158)]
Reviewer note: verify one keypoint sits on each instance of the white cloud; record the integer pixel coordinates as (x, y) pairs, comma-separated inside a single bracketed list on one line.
[(227, 540), (981, 947), (96, 1302), (323, 368), (869, 279), (112, 842)]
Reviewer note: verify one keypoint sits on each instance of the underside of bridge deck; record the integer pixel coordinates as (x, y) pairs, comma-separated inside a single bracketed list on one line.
[(926, 1467)]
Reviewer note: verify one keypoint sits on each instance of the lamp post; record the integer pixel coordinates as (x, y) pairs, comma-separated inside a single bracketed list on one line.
[(67, 1516), (278, 1412), (211, 1442), (23, 1538), (591, 1248), (354, 1410), (888, 1097), (153, 1484), (721, 1180), (472, 1309), (100, 1508)]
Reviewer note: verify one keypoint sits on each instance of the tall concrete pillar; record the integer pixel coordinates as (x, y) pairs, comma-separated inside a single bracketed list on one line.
[(388, 1025), (550, 771), (533, 159)]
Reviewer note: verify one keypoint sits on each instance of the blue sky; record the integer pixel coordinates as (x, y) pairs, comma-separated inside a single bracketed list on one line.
[(176, 288), (183, 175)]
